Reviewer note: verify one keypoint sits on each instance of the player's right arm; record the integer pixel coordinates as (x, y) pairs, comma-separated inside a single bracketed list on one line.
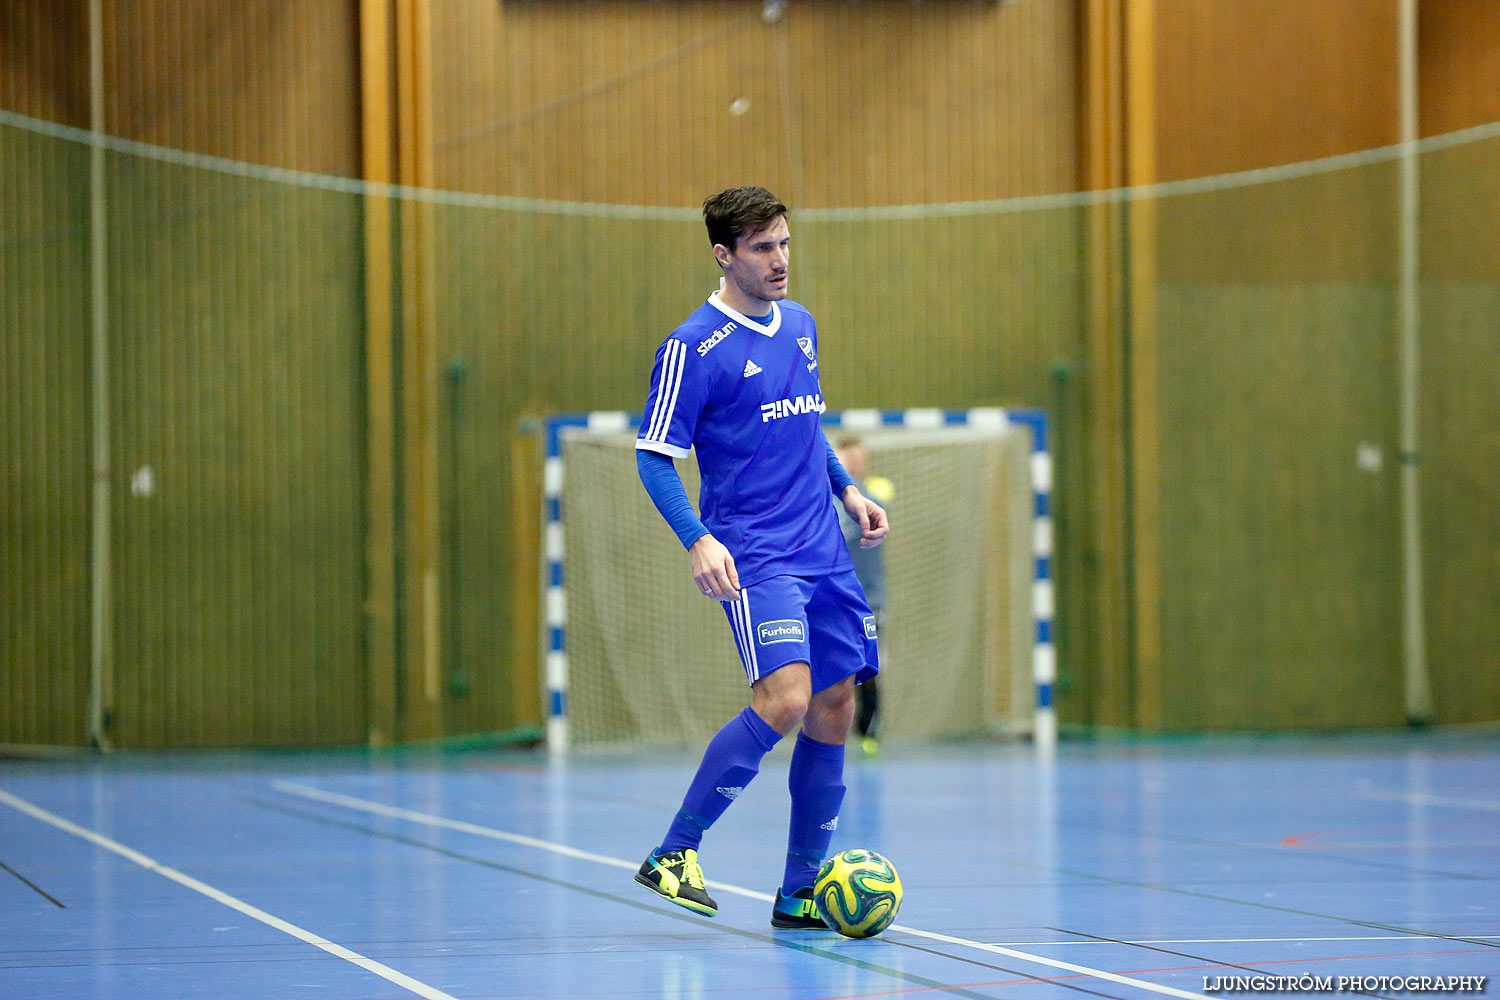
[(679, 389), (678, 392), (713, 569), (713, 566)]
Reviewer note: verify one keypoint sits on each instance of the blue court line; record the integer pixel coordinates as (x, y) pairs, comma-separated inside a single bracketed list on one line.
[(33, 886), (1207, 962), (429, 819), (270, 920), (1413, 932)]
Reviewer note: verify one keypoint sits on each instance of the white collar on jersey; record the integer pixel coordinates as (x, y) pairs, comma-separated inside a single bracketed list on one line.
[(769, 329)]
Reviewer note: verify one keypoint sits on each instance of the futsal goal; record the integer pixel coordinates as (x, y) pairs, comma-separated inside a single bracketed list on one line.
[(635, 655)]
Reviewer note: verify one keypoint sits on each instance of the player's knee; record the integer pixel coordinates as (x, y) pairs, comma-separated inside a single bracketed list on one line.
[(832, 710), (782, 710), (782, 698)]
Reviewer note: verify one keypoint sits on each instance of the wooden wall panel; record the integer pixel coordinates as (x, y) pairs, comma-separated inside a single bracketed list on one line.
[(834, 104), (235, 382), (1459, 88), (44, 379), (44, 50), (1459, 58), (1461, 494), (1460, 405), (1280, 563), (1331, 227), (1261, 347), (234, 367), (1245, 85), (1091, 397), (268, 83), (45, 459), (235, 350)]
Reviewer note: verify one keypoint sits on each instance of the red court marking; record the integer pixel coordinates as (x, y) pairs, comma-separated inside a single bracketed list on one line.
[(1304, 839)]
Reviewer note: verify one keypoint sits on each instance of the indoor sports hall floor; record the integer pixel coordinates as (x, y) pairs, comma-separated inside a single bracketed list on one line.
[(1124, 869)]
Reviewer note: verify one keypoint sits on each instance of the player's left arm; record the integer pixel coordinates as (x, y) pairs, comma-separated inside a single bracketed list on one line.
[(874, 523)]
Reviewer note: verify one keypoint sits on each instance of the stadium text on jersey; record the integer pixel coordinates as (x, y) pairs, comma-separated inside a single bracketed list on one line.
[(708, 343)]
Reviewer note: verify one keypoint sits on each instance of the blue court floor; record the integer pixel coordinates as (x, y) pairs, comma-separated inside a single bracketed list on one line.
[(1354, 865)]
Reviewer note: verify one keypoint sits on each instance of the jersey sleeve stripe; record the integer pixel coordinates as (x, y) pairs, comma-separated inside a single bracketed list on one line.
[(664, 379), (666, 424), (648, 427), (666, 392)]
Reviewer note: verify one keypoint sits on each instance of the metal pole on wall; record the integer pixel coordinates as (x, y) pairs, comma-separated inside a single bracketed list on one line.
[(1417, 687), (101, 641)]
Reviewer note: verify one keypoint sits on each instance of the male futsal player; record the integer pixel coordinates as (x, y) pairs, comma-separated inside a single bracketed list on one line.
[(738, 383)]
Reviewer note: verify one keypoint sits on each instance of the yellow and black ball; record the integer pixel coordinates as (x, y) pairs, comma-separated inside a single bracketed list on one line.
[(857, 893)]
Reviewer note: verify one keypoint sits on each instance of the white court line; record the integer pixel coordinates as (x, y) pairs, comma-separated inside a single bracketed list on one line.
[(428, 819), (1486, 805), (380, 809), (368, 964), (1271, 940), (1053, 962)]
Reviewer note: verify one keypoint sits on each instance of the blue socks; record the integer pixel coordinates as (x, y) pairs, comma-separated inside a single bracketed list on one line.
[(731, 760), (817, 784)]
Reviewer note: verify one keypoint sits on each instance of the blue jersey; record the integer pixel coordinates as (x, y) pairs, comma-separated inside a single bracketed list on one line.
[(746, 398)]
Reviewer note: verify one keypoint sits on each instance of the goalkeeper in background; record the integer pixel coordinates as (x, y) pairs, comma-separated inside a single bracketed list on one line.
[(869, 566), (737, 382)]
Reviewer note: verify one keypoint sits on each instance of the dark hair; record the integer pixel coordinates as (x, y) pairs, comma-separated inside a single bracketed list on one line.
[(739, 212)]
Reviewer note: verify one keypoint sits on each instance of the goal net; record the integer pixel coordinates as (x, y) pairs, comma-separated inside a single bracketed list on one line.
[(645, 659)]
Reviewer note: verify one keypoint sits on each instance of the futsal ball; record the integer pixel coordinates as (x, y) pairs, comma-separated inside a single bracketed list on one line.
[(857, 893)]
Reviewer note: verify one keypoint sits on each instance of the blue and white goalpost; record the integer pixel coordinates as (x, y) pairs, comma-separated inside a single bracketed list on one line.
[(555, 584)]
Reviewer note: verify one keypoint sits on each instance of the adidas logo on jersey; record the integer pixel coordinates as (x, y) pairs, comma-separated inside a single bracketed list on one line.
[(751, 368)]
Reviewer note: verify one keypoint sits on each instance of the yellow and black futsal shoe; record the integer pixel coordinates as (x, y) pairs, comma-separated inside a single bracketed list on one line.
[(678, 876), (796, 911)]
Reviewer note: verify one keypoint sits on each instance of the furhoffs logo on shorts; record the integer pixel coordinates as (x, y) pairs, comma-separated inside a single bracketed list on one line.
[(781, 630), (870, 627)]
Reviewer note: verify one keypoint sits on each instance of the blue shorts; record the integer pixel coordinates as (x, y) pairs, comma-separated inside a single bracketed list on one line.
[(823, 621)]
